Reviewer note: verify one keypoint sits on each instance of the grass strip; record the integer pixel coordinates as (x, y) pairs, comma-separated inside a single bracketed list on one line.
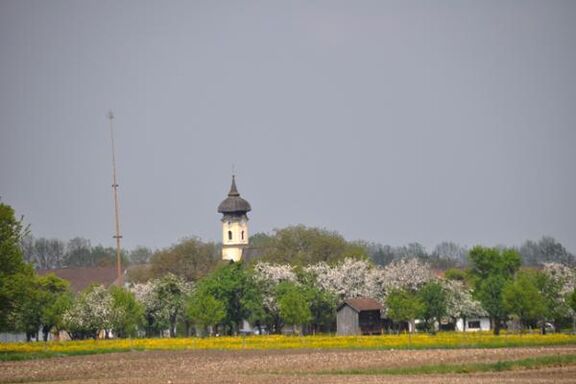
[(499, 366), (20, 356)]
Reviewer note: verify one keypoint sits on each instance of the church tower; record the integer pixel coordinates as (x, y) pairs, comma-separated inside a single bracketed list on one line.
[(234, 224)]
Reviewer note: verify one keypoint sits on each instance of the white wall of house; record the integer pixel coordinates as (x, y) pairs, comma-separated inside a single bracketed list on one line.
[(9, 337), (474, 324)]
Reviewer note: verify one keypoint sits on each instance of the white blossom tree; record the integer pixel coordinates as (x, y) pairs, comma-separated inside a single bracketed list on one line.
[(268, 276), (402, 274), (563, 275), (461, 303), (563, 281), (90, 314), (351, 278), (163, 300)]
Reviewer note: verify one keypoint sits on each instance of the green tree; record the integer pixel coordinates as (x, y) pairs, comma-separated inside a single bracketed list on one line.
[(78, 253), (434, 304), (456, 274), (127, 314), (490, 261), (522, 298), (28, 316), (300, 245), (190, 259), (53, 315), (402, 306), (205, 310), (294, 308), (232, 285), (55, 298), (571, 299), (15, 275), (556, 306), (322, 306), (491, 269), (489, 292), (140, 255)]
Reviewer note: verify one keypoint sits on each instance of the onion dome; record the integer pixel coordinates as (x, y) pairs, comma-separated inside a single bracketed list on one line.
[(234, 203)]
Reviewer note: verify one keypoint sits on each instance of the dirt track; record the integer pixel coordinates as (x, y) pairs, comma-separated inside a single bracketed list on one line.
[(278, 367)]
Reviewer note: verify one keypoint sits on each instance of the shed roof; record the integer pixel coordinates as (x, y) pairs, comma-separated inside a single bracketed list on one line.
[(360, 304)]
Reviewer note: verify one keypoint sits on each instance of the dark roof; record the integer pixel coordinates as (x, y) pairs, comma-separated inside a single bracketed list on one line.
[(234, 203), (360, 304), (250, 253), (81, 278)]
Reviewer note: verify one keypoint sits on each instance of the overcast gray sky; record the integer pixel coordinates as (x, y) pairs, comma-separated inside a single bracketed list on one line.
[(389, 121)]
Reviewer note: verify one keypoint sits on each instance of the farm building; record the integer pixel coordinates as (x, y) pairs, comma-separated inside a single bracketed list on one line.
[(359, 316), (473, 324)]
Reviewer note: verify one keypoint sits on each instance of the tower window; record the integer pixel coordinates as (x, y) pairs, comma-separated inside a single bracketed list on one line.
[(242, 235), (229, 235)]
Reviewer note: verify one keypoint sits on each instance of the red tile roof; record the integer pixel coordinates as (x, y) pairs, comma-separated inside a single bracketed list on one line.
[(81, 278), (360, 304)]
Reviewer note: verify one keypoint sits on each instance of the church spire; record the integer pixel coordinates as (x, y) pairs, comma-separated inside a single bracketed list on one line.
[(234, 224), (233, 190)]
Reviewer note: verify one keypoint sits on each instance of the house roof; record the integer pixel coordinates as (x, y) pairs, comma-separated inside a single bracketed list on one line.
[(81, 278), (234, 203), (251, 253), (360, 304)]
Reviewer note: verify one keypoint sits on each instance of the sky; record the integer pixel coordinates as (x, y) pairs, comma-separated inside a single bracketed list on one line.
[(387, 121)]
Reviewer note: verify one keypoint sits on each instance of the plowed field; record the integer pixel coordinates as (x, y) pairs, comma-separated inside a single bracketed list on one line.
[(278, 367)]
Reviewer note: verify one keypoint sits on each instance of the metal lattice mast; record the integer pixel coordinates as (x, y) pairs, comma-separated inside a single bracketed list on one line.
[(117, 235)]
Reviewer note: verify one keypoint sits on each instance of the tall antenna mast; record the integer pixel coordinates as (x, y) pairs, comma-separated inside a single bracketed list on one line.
[(117, 236)]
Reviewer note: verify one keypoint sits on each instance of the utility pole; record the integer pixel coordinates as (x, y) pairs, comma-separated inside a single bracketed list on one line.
[(117, 236)]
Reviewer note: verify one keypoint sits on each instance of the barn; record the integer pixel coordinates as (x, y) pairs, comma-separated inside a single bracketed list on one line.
[(359, 316)]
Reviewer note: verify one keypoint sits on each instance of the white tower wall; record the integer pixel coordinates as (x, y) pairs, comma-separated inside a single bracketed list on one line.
[(234, 238)]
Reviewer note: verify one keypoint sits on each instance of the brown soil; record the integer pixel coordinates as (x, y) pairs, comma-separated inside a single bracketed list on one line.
[(278, 367)]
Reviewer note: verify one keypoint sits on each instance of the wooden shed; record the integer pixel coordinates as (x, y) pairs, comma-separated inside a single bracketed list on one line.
[(359, 316)]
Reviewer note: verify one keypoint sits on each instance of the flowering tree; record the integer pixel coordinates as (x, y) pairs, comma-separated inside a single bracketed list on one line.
[(410, 274), (267, 277), (90, 314), (460, 302), (163, 300), (558, 286), (351, 278), (563, 275)]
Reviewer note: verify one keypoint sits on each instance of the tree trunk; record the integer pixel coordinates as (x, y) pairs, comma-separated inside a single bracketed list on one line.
[(496, 327)]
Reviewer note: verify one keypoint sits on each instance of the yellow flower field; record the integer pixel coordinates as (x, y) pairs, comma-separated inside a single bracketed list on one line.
[(404, 341)]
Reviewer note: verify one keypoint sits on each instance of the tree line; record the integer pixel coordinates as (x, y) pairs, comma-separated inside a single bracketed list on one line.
[(298, 245), (44, 253), (296, 280)]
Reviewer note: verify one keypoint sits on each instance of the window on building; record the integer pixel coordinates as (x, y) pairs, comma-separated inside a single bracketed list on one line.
[(242, 235), (475, 324), (229, 235)]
